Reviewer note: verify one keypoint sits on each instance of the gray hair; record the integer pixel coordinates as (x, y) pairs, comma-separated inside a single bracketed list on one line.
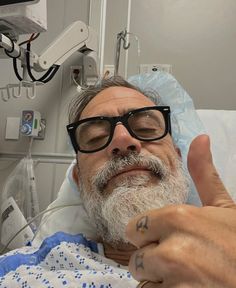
[(81, 101)]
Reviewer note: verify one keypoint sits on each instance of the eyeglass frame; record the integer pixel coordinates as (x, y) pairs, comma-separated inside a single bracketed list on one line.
[(113, 120)]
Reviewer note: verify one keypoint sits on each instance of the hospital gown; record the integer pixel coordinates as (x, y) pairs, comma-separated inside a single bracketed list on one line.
[(63, 260)]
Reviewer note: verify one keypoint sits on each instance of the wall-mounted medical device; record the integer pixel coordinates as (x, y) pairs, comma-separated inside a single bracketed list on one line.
[(12, 220), (30, 123), (76, 37), (18, 17), (12, 2)]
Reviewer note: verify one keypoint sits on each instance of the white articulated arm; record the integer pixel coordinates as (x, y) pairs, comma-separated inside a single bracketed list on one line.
[(77, 37), (9, 46)]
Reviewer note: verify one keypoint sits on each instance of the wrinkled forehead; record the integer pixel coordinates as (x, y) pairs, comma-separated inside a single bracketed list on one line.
[(115, 101)]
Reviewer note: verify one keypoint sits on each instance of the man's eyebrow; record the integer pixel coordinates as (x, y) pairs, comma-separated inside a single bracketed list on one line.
[(108, 114)]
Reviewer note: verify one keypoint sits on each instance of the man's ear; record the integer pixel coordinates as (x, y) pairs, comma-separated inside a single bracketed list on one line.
[(75, 173)]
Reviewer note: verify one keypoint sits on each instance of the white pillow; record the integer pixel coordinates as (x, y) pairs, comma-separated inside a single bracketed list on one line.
[(220, 126), (71, 219)]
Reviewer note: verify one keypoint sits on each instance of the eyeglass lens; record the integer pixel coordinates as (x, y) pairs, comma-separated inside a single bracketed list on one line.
[(149, 124), (145, 125), (93, 134)]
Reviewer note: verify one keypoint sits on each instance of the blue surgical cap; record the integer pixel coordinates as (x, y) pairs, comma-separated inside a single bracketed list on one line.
[(186, 124)]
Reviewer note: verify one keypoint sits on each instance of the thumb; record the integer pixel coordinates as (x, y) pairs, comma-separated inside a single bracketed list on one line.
[(205, 177)]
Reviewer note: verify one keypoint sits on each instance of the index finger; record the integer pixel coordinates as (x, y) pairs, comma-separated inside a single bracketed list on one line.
[(155, 225), (210, 188)]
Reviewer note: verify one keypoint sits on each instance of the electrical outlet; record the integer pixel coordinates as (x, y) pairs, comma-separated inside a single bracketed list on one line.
[(109, 70), (148, 68), (76, 74)]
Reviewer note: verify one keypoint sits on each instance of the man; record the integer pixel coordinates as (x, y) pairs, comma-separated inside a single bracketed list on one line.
[(129, 172), (121, 170)]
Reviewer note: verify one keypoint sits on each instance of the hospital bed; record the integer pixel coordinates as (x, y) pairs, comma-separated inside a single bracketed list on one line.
[(218, 124), (70, 260)]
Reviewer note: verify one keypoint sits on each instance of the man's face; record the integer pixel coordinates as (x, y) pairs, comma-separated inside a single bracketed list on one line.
[(129, 173)]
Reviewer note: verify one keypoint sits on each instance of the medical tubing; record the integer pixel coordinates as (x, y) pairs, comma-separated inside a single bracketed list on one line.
[(29, 202), (32, 220), (32, 204), (30, 147)]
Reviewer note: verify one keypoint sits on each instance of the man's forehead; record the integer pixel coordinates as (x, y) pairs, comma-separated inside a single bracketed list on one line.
[(115, 101)]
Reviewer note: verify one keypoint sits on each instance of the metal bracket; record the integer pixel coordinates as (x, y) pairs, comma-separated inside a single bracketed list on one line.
[(41, 134)]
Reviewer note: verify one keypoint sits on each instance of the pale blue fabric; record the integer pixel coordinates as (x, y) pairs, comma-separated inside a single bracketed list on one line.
[(164, 89), (63, 260)]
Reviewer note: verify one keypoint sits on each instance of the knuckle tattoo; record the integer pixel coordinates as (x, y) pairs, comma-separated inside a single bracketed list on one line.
[(139, 261), (142, 224)]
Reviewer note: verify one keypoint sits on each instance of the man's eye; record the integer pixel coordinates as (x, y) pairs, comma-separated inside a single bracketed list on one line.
[(96, 140), (146, 130)]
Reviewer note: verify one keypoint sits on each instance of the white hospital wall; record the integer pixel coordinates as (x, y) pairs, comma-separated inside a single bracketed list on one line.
[(198, 38), (51, 101)]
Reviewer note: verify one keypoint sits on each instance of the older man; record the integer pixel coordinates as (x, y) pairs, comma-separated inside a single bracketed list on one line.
[(128, 164), (126, 160), (129, 171)]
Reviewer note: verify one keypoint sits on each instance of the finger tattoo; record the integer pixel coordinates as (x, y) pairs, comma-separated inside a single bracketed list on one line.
[(142, 224), (139, 261)]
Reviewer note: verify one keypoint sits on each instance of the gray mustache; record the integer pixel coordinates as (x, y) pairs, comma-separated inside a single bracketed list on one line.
[(117, 164)]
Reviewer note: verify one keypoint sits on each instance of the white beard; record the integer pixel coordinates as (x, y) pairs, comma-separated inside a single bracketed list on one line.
[(134, 195)]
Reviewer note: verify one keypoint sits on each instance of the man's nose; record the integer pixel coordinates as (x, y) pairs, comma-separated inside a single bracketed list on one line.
[(122, 142)]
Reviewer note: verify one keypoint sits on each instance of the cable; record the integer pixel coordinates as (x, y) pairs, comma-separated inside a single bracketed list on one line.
[(54, 71), (30, 147), (16, 70), (47, 76), (79, 87), (32, 38), (32, 220)]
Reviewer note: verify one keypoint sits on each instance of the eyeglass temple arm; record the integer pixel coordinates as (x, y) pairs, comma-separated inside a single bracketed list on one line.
[(169, 124)]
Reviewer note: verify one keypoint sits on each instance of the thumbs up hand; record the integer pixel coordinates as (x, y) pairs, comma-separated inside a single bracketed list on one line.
[(185, 246)]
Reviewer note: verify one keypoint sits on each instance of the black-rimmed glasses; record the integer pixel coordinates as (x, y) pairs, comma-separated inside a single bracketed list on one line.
[(95, 133)]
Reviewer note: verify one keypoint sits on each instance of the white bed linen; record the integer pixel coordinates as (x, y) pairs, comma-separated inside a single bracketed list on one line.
[(220, 125), (63, 261)]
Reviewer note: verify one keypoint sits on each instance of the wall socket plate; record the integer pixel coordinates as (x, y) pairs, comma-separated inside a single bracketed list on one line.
[(76, 74), (109, 70), (148, 68)]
